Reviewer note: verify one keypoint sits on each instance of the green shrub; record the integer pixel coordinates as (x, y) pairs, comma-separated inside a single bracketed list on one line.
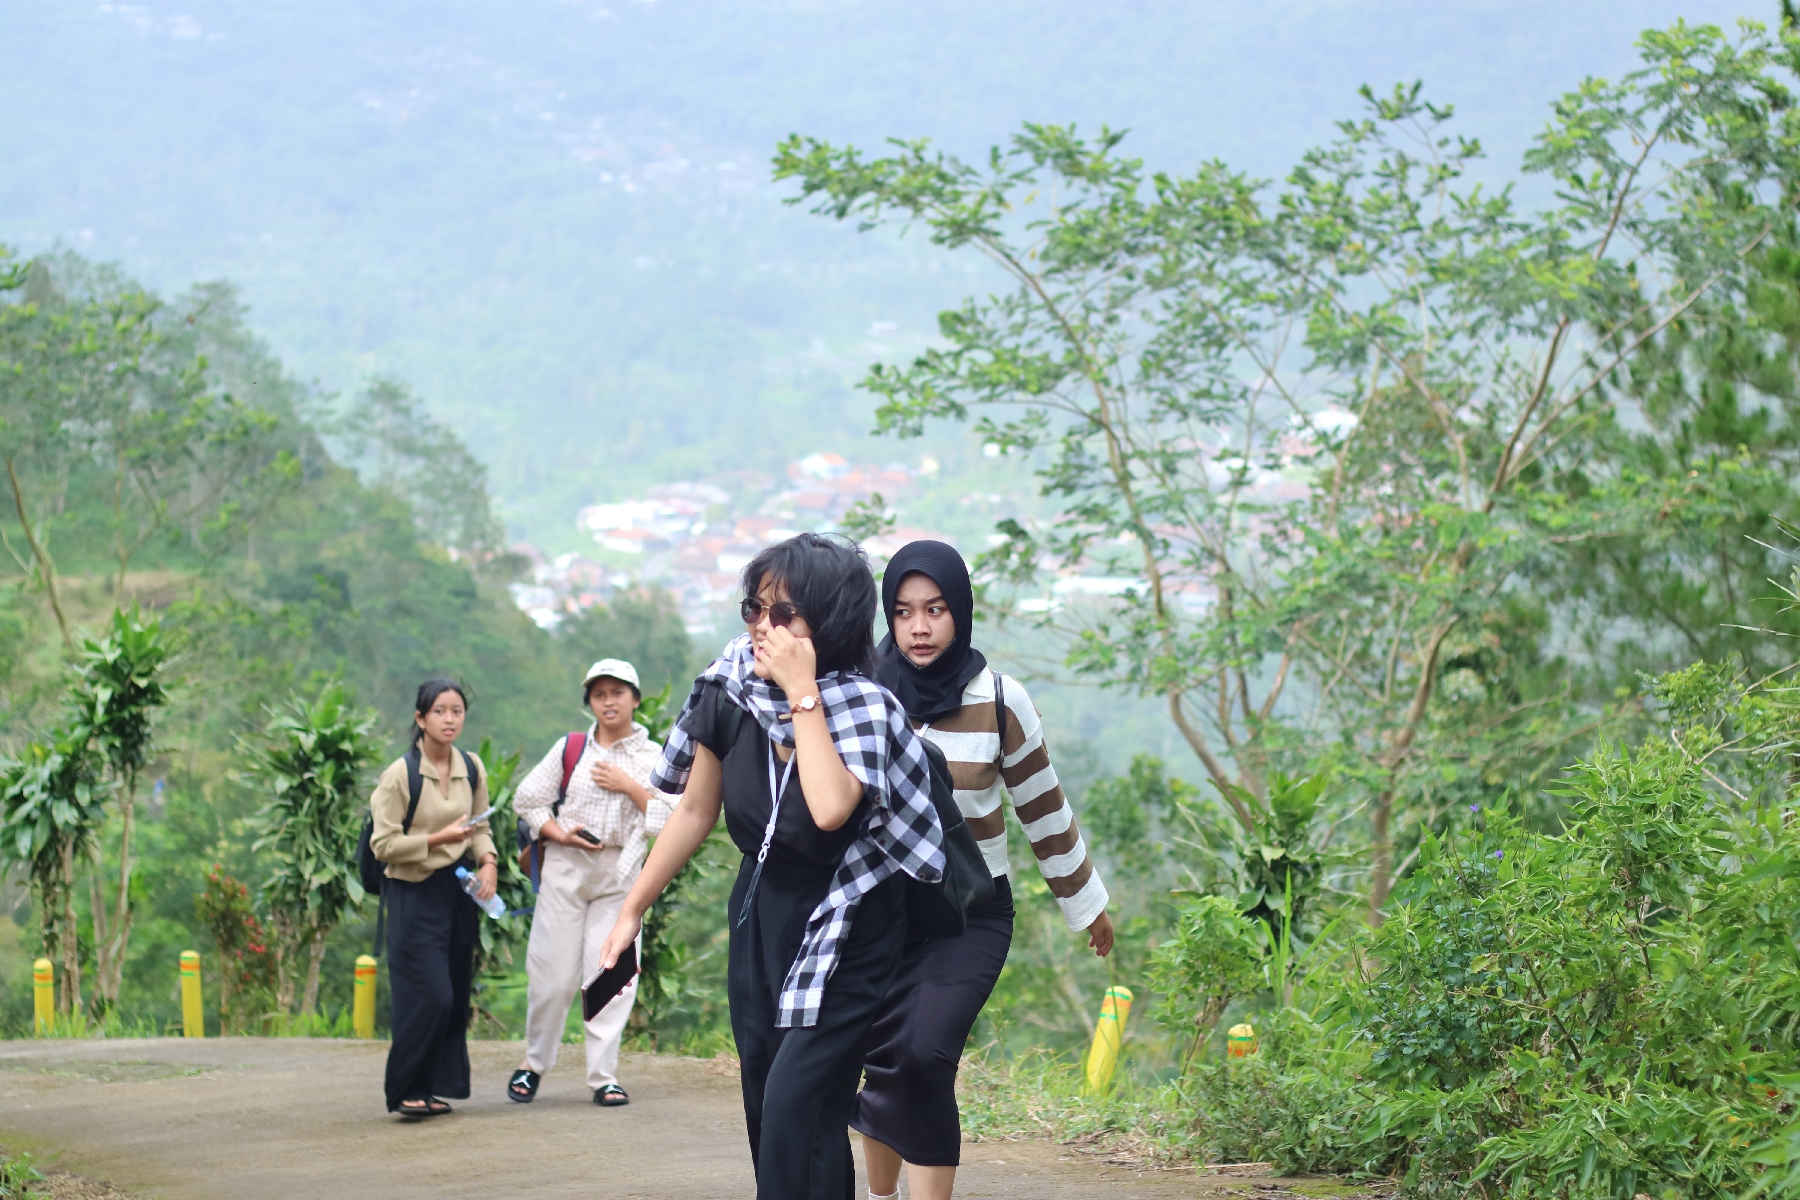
[(18, 1178), (1214, 956), (1596, 1013)]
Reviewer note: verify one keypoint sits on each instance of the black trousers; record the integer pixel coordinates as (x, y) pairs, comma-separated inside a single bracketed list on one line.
[(908, 1100), (431, 937), (800, 1084)]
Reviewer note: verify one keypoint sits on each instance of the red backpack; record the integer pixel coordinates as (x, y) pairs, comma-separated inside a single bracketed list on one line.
[(531, 849)]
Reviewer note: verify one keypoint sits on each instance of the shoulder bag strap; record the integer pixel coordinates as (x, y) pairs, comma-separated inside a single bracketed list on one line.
[(474, 776), (999, 719)]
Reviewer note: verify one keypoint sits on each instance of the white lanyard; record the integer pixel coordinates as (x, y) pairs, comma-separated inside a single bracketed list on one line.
[(775, 792)]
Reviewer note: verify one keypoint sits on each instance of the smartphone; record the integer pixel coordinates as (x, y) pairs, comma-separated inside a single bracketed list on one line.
[(587, 837), (604, 985), (483, 817)]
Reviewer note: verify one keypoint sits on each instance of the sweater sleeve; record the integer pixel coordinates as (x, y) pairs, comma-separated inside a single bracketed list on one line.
[(1046, 814)]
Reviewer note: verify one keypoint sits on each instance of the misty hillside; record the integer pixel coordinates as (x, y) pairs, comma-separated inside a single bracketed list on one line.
[(553, 219)]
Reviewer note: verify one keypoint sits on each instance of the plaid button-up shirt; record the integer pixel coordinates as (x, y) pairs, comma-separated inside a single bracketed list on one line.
[(608, 815)]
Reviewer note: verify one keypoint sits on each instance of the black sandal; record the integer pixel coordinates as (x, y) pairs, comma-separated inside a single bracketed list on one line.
[(523, 1086), (431, 1106), (611, 1096)]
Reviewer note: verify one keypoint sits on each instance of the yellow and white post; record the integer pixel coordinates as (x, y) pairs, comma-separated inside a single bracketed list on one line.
[(1109, 1035), (193, 1016), (43, 996), (363, 1009)]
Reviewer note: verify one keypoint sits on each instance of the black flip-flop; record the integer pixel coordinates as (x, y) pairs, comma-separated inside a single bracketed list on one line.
[(528, 1080), (431, 1106), (611, 1096)]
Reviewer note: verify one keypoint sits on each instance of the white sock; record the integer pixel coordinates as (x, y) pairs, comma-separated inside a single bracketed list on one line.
[(893, 1195)]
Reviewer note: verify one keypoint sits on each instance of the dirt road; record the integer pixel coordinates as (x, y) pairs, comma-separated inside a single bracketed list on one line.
[(249, 1118)]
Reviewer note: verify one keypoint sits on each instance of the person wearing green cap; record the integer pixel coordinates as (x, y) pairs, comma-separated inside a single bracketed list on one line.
[(589, 806)]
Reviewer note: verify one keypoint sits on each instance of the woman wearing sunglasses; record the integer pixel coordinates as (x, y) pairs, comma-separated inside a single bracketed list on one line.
[(988, 730), (826, 792)]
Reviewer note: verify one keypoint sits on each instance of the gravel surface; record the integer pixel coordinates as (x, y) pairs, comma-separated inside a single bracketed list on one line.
[(249, 1118)]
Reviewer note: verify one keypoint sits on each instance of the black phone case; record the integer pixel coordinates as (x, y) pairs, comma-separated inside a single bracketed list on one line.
[(609, 983)]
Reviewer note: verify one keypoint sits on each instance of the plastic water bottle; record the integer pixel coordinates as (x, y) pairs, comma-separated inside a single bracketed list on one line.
[(493, 906)]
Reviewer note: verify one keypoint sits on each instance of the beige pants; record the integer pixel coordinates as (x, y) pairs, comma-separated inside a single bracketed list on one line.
[(579, 898)]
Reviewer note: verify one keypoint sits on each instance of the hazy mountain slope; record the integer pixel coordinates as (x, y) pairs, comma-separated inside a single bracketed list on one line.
[(553, 218)]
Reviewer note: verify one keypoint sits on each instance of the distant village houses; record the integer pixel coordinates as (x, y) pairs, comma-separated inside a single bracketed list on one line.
[(694, 538)]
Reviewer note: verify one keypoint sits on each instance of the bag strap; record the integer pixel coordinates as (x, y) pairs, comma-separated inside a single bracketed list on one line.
[(415, 784), (728, 719), (573, 746), (999, 718), (473, 771)]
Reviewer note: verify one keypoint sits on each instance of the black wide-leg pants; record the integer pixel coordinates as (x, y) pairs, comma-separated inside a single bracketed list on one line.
[(800, 1084), (431, 937), (908, 1100)]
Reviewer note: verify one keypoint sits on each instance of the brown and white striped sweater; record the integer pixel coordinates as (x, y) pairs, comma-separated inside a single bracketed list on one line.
[(970, 741)]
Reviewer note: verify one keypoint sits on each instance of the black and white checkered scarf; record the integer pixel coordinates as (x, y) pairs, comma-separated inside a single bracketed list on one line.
[(881, 750)]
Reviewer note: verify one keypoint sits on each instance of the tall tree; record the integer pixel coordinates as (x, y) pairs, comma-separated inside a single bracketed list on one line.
[(642, 626), (312, 763), (50, 814), (117, 693), (61, 366), (101, 393), (1329, 435), (396, 445)]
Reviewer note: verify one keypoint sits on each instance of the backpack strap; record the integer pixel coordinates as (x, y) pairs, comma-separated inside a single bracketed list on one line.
[(999, 718), (573, 746), (415, 785), (473, 771)]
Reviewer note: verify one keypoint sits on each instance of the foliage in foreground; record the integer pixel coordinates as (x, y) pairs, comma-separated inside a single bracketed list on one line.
[(18, 1178), (1606, 1011)]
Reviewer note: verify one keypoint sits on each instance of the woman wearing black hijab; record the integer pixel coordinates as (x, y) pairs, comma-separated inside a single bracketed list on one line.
[(906, 1111)]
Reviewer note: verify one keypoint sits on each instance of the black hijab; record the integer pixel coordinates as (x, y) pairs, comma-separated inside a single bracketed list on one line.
[(935, 689)]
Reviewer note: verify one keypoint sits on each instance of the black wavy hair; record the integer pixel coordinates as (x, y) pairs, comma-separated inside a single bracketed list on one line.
[(828, 579), (429, 691)]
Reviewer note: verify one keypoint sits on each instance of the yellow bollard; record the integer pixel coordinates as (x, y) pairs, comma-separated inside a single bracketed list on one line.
[(1109, 1035), (43, 996), (364, 1007), (193, 1017), (1240, 1041)]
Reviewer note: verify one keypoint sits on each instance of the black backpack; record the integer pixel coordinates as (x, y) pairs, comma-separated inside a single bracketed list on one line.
[(372, 869), (941, 910)]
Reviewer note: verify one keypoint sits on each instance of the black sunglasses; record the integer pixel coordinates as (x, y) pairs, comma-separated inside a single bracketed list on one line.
[(781, 613)]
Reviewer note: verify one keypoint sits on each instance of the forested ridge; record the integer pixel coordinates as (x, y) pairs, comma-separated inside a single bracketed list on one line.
[(158, 459), (1445, 505), (541, 214)]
